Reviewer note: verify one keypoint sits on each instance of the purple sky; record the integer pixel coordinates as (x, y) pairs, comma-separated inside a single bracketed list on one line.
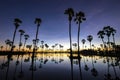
[(54, 26)]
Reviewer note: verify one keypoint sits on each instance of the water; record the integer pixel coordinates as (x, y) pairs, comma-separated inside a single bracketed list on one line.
[(58, 66)]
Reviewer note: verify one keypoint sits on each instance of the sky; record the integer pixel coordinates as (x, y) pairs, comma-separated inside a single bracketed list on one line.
[(54, 26)]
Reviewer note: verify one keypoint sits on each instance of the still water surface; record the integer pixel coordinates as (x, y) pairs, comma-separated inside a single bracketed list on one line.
[(58, 66)]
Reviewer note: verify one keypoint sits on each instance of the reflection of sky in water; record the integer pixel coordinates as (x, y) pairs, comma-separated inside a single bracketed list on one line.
[(58, 67)]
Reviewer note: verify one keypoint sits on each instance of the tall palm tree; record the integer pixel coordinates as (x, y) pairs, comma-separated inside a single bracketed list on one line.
[(70, 14), (38, 22), (113, 31), (26, 38), (83, 42), (21, 34), (17, 23), (101, 34), (80, 16), (90, 38), (108, 33)]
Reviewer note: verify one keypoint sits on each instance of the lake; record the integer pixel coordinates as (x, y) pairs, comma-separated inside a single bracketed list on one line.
[(59, 66)]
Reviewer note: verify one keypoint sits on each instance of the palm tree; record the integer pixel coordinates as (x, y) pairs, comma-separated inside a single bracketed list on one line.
[(1, 48), (47, 46), (38, 22), (113, 31), (17, 23), (108, 33), (61, 47), (90, 38), (83, 41), (26, 38), (75, 45), (21, 34), (42, 46), (80, 16), (29, 47), (7, 41), (70, 14), (101, 34), (53, 46)]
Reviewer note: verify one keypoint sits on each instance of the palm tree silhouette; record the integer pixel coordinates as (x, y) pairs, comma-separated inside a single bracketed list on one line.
[(7, 41), (83, 42), (42, 46), (80, 16), (21, 34), (90, 38), (101, 34), (70, 14), (29, 47), (17, 23), (1, 47), (38, 22), (26, 38), (113, 31), (108, 33), (75, 46)]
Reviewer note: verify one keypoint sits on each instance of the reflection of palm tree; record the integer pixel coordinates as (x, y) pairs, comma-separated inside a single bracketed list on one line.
[(26, 38), (117, 78), (21, 74), (17, 23), (70, 14), (21, 34), (80, 16), (93, 70), (79, 60), (90, 38), (108, 75), (83, 41), (17, 62), (86, 67), (71, 61)]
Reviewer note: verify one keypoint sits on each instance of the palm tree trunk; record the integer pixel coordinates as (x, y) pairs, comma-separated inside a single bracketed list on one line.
[(108, 43), (13, 39), (37, 32), (71, 60), (80, 69), (70, 37), (24, 44), (114, 43), (78, 37), (103, 43), (90, 45), (20, 42), (113, 39)]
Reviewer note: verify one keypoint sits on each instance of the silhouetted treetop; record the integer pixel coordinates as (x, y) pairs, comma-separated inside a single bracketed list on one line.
[(70, 13), (17, 22), (38, 21), (80, 16)]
